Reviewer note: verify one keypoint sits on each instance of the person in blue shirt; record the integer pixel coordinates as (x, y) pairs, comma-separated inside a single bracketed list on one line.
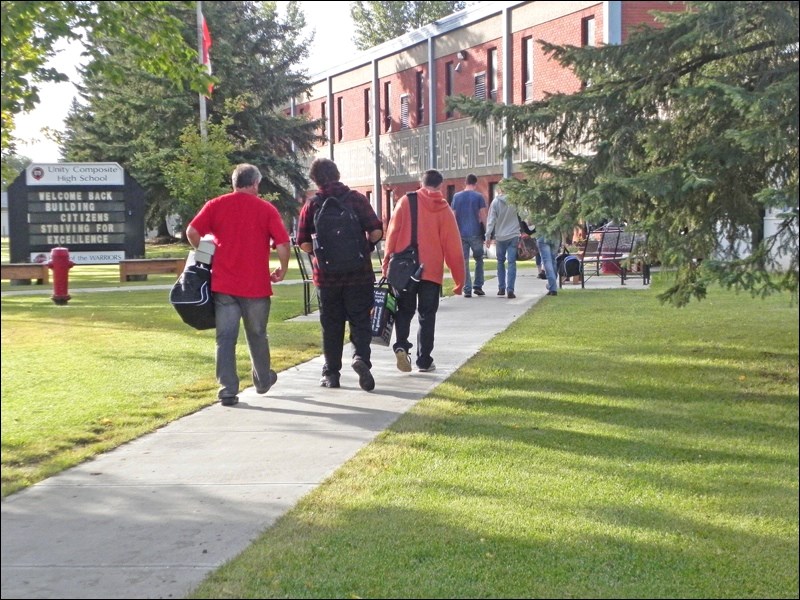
[(469, 207)]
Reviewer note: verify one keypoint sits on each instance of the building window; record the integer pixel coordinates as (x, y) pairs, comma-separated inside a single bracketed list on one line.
[(492, 190), (404, 100), (340, 117), (324, 116), (587, 31), (449, 85), (451, 191), (527, 69), (367, 110), (492, 75), (480, 86), (387, 106), (420, 98)]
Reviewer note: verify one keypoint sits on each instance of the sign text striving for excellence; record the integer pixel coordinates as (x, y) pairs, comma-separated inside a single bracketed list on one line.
[(76, 217)]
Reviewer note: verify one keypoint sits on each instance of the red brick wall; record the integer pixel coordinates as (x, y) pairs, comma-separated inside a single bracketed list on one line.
[(637, 13)]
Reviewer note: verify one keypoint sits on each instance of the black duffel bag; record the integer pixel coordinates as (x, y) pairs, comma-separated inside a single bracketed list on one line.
[(192, 298)]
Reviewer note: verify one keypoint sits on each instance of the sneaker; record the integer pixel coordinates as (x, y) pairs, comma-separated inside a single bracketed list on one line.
[(467, 294), (552, 293), (403, 360), (365, 378), (329, 380), (428, 369), (229, 400), (501, 292), (273, 378), (542, 275), (511, 295), (478, 291)]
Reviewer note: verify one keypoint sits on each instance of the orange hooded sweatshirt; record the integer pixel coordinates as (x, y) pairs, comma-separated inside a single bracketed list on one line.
[(438, 238)]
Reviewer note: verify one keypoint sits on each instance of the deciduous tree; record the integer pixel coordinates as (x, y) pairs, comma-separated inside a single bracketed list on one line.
[(378, 22)]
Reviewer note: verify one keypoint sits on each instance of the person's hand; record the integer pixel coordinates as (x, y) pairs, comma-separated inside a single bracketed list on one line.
[(458, 289), (488, 243), (277, 275)]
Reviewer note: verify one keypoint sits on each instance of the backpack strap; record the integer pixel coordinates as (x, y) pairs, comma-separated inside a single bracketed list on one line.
[(412, 204)]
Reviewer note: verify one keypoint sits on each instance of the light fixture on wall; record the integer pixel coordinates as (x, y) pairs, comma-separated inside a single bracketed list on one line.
[(457, 68), (461, 55)]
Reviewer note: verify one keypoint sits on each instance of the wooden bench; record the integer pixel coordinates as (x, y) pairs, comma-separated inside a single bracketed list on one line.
[(150, 266), (18, 272), (306, 272), (614, 251)]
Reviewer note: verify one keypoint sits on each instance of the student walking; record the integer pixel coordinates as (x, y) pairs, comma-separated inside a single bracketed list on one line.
[(504, 225), (469, 207), (244, 227), (345, 298), (439, 242)]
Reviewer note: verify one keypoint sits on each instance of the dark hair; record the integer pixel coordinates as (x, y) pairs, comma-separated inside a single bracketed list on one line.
[(432, 178), (245, 175), (472, 179), (324, 171)]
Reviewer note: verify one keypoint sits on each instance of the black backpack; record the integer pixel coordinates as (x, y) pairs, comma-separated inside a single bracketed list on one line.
[(192, 298), (339, 242), (568, 265)]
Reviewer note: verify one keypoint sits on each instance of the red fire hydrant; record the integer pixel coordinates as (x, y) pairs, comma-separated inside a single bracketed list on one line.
[(60, 264)]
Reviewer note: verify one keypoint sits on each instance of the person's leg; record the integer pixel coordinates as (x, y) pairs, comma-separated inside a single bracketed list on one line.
[(332, 319), (501, 248), (511, 256), (406, 308), (549, 263), (255, 315), (227, 314), (429, 293), (477, 253), (358, 301), (465, 247)]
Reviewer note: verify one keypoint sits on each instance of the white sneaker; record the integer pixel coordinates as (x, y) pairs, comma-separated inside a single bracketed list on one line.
[(429, 369), (403, 360)]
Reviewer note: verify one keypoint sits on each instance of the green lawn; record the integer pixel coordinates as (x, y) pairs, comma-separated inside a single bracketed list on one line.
[(603, 446)]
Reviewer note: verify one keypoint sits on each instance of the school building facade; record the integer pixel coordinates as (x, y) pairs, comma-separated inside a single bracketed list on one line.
[(385, 117)]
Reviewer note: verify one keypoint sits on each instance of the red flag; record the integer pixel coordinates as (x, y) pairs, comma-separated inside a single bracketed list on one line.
[(206, 55)]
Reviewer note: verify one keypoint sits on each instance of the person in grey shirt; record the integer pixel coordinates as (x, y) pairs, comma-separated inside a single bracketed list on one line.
[(503, 224)]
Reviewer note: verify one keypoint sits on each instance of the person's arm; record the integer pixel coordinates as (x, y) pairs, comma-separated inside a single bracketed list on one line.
[(283, 253), (375, 235), (193, 236)]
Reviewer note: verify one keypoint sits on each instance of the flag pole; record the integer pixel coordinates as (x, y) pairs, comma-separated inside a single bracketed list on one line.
[(203, 115)]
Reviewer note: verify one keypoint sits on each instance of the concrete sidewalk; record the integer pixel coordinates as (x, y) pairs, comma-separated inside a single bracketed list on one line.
[(154, 517)]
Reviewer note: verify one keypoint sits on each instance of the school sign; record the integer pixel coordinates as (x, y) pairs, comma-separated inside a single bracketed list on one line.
[(95, 210)]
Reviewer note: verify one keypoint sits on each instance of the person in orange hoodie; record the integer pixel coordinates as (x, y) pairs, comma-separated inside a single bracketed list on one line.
[(439, 242)]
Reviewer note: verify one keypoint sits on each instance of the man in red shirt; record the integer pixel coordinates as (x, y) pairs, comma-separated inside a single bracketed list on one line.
[(244, 226)]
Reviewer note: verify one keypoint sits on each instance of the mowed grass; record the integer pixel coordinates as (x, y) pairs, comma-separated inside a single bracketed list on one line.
[(602, 447)]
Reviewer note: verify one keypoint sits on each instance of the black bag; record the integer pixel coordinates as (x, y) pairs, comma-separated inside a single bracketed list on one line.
[(568, 265), (339, 242), (404, 267), (192, 298), (383, 312)]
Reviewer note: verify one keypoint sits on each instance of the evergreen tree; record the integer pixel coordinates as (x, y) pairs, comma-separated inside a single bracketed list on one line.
[(689, 131), (138, 122), (378, 22)]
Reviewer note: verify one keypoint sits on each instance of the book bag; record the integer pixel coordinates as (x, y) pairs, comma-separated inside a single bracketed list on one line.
[(339, 242), (192, 298), (568, 265)]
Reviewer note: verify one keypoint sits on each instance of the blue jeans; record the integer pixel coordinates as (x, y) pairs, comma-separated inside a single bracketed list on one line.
[(427, 293), (473, 244), (229, 310), (506, 251), (547, 252)]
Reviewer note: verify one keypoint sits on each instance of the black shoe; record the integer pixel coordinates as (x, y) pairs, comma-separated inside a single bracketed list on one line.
[(467, 294), (331, 380), (273, 378), (478, 291), (511, 295), (501, 292), (365, 378), (229, 400), (552, 293), (542, 275)]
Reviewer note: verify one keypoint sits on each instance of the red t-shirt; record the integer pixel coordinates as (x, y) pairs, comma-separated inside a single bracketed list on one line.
[(244, 227)]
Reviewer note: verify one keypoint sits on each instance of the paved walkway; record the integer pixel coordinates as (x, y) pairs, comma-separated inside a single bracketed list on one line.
[(154, 517)]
